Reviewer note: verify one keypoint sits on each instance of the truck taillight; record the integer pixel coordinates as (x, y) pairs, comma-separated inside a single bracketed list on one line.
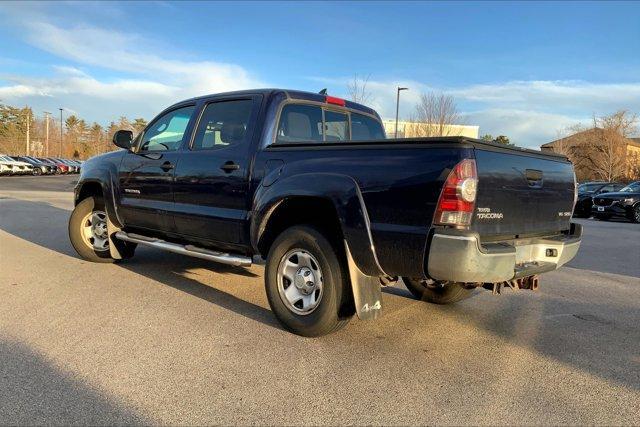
[(458, 197)]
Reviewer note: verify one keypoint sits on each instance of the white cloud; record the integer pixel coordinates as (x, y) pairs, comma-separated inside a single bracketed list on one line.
[(529, 112), (569, 95), (524, 127), (153, 77)]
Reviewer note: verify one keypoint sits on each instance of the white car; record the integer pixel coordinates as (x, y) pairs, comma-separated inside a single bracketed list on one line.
[(18, 168), (6, 168)]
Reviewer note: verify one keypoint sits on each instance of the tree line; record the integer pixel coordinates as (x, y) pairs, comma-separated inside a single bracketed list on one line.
[(22, 130)]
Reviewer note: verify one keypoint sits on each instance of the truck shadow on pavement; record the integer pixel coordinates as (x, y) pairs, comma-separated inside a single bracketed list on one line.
[(46, 225), (597, 337), (35, 392)]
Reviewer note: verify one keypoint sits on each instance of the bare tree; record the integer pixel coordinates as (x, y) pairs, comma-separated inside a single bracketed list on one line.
[(604, 150), (358, 91), (434, 113), (634, 166)]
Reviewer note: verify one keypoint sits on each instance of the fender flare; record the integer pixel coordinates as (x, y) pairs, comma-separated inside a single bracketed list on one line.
[(345, 195), (342, 191), (106, 180)]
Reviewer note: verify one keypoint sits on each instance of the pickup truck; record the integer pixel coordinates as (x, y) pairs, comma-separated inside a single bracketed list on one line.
[(308, 184)]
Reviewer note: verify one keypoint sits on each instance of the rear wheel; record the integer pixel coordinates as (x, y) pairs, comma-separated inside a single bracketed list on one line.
[(437, 293), (306, 282), (636, 213)]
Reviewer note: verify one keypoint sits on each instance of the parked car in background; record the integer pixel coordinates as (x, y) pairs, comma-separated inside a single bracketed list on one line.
[(39, 168), (6, 167), (73, 167), (19, 167), (624, 203), (77, 164), (54, 167), (51, 167), (62, 168), (587, 190)]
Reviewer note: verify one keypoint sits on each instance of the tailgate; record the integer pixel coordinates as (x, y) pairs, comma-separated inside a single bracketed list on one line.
[(522, 194)]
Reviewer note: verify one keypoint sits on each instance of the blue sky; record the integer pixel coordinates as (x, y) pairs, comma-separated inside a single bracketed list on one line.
[(526, 70)]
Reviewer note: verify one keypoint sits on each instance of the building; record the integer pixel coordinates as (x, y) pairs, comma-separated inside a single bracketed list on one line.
[(413, 129), (621, 153)]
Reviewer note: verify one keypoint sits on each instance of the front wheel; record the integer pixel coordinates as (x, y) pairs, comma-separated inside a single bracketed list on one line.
[(306, 282), (88, 232), (437, 293)]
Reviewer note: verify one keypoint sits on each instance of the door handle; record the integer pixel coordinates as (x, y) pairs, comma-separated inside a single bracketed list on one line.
[(229, 167), (167, 166)]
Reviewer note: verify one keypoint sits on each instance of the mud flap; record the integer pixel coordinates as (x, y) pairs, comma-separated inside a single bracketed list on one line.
[(116, 247), (367, 294)]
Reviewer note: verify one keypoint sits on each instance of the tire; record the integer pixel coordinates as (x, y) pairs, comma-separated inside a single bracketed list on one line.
[(80, 217), (36, 172), (635, 214), (314, 250), (447, 294)]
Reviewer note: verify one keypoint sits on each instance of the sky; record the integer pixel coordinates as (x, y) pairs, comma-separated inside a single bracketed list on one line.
[(526, 70)]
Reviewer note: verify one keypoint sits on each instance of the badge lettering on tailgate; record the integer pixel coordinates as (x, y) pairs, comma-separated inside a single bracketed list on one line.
[(485, 213)]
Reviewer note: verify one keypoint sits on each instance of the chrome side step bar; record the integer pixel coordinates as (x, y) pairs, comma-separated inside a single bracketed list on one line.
[(190, 250)]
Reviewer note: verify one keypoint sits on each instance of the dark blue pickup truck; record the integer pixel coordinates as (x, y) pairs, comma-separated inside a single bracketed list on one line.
[(308, 183)]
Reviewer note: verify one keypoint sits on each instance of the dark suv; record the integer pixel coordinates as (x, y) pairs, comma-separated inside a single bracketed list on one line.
[(587, 190), (624, 204)]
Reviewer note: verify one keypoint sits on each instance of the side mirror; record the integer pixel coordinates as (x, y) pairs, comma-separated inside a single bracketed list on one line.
[(123, 139)]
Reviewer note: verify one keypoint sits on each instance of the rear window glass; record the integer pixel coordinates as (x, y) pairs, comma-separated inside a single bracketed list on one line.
[(336, 126), (365, 127), (300, 123)]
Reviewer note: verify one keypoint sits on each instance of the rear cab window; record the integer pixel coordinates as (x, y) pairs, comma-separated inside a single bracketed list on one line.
[(365, 127), (300, 123)]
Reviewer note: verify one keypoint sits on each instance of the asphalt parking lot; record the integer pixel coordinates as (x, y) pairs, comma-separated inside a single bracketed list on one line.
[(165, 339)]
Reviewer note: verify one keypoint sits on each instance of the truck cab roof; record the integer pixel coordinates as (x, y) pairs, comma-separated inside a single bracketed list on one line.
[(289, 94)]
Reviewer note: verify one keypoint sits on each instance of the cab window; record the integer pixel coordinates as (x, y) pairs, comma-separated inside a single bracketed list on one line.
[(223, 124), (300, 123), (336, 126), (167, 132), (365, 127)]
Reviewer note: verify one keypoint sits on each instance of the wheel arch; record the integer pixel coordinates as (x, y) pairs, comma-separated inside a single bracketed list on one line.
[(328, 200), (89, 188), (334, 204)]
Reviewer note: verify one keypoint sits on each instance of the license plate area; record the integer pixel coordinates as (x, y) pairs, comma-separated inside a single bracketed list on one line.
[(600, 208)]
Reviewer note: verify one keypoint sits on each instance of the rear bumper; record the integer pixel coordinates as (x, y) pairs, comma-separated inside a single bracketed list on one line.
[(460, 257)]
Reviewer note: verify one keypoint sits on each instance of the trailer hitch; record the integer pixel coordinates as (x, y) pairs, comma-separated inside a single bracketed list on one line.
[(530, 282)]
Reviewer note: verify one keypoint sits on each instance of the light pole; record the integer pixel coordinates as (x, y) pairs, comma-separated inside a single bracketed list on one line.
[(46, 124), (28, 125), (60, 147), (398, 106)]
